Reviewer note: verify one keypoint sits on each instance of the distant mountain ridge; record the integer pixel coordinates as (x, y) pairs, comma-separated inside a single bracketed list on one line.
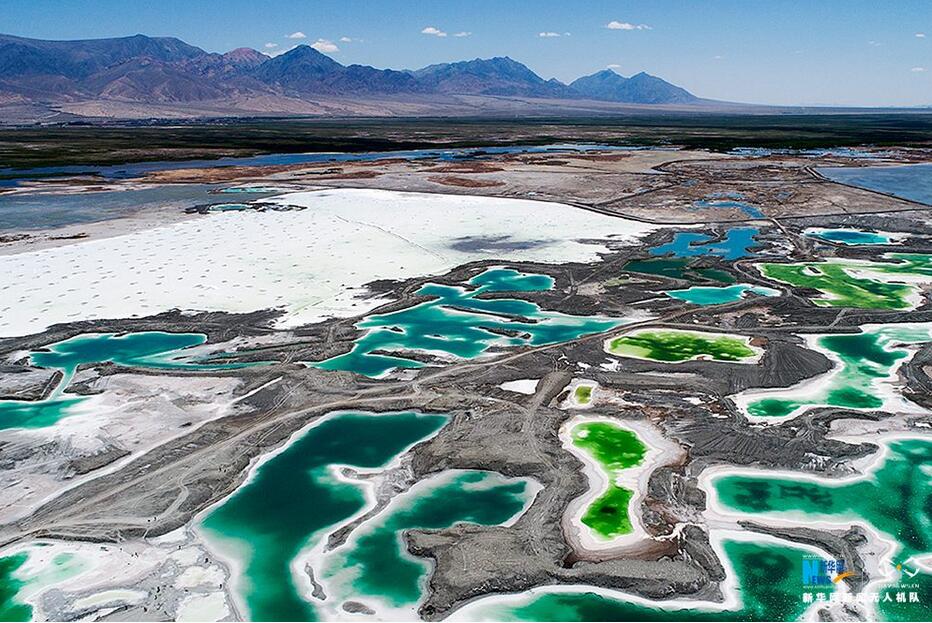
[(165, 71)]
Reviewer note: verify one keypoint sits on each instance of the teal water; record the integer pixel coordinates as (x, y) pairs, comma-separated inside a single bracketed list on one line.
[(148, 349), (736, 244), (11, 608), (293, 498), (865, 358), (712, 295), (376, 562), (896, 499), (457, 322), (769, 581), (849, 236)]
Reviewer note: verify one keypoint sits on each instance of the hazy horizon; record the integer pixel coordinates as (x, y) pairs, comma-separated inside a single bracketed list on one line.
[(782, 53)]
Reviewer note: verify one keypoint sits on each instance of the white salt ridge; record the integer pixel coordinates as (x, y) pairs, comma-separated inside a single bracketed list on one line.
[(312, 263)]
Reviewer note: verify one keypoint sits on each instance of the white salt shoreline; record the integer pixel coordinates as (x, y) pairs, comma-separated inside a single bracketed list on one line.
[(660, 452), (883, 388), (879, 561)]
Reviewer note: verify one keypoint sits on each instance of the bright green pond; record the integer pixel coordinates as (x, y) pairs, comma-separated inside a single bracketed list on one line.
[(456, 322), (676, 346), (841, 288), (865, 358), (615, 449), (149, 349), (896, 499), (768, 576)]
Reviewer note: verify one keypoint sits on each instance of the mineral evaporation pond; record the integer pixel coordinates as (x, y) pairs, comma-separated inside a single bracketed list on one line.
[(615, 449), (863, 363), (307, 497), (676, 268), (715, 295), (891, 284), (850, 237), (18, 582), (147, 349), (736, 244), (676, 346), (769, 589), (301, 483), (374, 566), (894, 498), (456, 323)]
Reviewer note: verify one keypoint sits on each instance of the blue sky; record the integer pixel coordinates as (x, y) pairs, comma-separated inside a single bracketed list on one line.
[(850, 52)]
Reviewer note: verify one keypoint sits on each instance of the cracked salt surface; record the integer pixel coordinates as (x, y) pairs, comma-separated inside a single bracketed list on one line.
[(313, 263)]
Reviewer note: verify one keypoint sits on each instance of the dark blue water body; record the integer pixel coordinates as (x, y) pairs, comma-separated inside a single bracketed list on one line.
[(736, 244), (138, 169), (911, 181)]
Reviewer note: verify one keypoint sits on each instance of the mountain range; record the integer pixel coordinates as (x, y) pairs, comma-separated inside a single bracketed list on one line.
[(162, 76)]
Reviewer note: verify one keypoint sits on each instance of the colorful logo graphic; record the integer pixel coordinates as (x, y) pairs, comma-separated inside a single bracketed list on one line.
[(824, 572), (905, 567)]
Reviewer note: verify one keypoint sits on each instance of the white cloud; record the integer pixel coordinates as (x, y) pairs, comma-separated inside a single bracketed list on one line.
[(921, 35), (616, 25), (463, 33), (346, 40), (548, 34), (874, 44), (270, 45), (296, 35), (323, 45), (918, 69), (718, 57), (430, 30), (613, 66)]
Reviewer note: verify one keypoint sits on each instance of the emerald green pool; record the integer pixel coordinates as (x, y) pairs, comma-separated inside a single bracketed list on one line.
[(293, 497), (615, 449), (15, 584), (841, 288), (11, 608), (148, 349), (769, 585), (457, 323), (670, 345), (375, 564), (864, 360), (896, 499), (677, 268), (715, 295)]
